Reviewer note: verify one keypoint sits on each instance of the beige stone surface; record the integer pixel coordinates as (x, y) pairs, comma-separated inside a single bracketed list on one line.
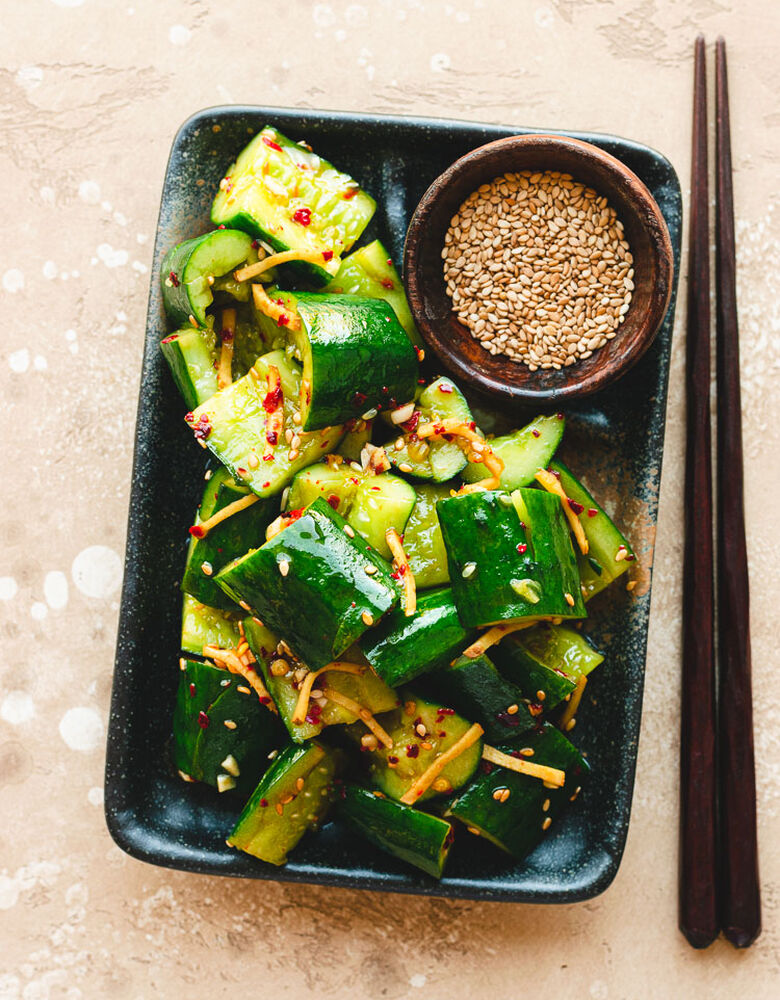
[(91, 94)]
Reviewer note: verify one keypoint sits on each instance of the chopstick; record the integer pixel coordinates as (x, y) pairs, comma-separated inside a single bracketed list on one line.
[(739, 885), (697, 887)]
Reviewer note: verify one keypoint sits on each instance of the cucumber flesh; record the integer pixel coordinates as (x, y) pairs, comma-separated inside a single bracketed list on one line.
[(202, 626), (423, 541), (185, 271), (232, 425), (522, 452), (288, 196), (192, 357), (413, 836), (336, 483), (439, 459), (380, 503), (370, 271), (293, 796), (357, 437)]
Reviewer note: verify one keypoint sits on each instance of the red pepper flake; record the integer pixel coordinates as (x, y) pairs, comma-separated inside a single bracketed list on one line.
[(522, 548), (192, 690), (272, 400), (359, 399), (630, 558), (592, 512), (196, 531), (203, 720), (445, 388), (349, 194), (255, 244), (420, 352), (512, 721), (263, 803), (333, 500), (535, 432), (202, 428), (389, 262), (442, 734), (559, 416), (376, 488), (445, 711), (412, 423), (226, 335), (272, 437), (535, 708), (486, 766), (241, 470), (173, 336), (575, 505), (387, 283), (284, 320), (266, 485), (302, 216), (222, 226), (173, 279), (413, 750), (264, 699), (392, 760), (523, 525), (327, 255), (271, 144)]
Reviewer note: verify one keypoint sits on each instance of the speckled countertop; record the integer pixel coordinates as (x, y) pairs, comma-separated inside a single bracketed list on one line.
[(91, 93)]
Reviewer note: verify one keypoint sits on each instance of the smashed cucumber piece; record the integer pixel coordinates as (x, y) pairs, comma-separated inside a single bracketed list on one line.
[(523, 452), (192, 358), (436, 459), (293, 796), (186, 269), (423, 540), (292, 199), (202, 626)]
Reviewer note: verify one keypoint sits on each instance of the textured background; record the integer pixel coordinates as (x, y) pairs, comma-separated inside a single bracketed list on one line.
[(90, 96)]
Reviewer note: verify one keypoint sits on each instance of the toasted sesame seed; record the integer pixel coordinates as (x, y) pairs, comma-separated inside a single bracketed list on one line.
[(547, 823), (498, 793), (527, 752), (571, 724), (505, 795), (474, 830), (541, 695), (426, 745), (420, 729), (368, 618), (545, 805), (207, 568), (229, 724), (405, 467), (569, 599), (369, 741), (442, 785), (369, 570), (631, 584), (243, 689), (513, 710), (468, 570), (349, 531)]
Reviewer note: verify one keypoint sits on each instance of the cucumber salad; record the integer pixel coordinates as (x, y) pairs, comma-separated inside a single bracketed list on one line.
[(382, 605)]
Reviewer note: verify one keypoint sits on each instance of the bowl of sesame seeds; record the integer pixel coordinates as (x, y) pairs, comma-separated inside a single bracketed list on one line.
[(538, 268)]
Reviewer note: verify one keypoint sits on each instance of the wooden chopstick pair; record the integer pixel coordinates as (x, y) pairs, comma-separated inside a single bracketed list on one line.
[(718, 879)]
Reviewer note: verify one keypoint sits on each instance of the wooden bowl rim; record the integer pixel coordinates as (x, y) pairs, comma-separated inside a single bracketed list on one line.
[(648, 216)]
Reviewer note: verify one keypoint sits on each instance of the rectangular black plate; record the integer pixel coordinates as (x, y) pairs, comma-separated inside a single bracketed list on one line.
[(615, 439)]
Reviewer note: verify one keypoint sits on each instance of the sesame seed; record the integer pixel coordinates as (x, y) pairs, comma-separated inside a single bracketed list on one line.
[(527, 752), (229, 724), (505, 795), (513, 710), (426, 745), (405, 467), (545, 805), (498, 793), (284, 566), (369, 570), (468, 570), (473, 830), (207, 568), (296, 418), (541, 695), (368, 618), (349, 531), (569, 599), (547, 823), (571, 724), (243, 689)]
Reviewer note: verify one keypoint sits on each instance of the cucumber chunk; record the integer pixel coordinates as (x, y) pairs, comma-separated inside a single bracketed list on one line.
[(232, 425), (436, 459), (522, 452), (366, 688), (185, 271), (547, 659), (283, 193), (394, 770), (413, 836), (192, 357), (214, 721), (423, 540), (519, 823), (510, 557), (239, 532), (204, 626), (370, 271), (357, 437), (313, 566), (401, 648), (335, 483), (609, 552), (293, 796), (356, 357)]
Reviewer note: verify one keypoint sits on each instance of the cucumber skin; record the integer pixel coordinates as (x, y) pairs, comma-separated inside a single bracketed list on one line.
[(604, 537), (326, 576), (423, 541), (478, 527), (206, 679), (413, 836), (477, 690), (401, 648), (535, 452), (177, 302), (516, 824), (191, 355), (227, 540), (360, 358), (260, 830), (202, 625)]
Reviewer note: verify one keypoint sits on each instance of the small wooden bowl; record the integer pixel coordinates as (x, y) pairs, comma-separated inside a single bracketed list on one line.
[(497, 375)]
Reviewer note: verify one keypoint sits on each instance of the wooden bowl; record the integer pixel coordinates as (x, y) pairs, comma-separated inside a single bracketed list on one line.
[(497, 375)]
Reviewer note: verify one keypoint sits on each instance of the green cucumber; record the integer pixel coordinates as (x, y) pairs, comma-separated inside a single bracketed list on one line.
[(435, 459), (205, 626), (186, 269), (371, 503), (476, 689), (239, 532), (519, 823), (370, 271), (357, 437), (609, 552), (221, 732), (510, 557), (192, 357), (356, 358), (522, 452), (309, 584), (275, 334), (366, 688), (394, 770), (401, 648), (413, 836), (423, 541), (232, 425), (283, 193), (546, 661), (248, 342), (293, 796)]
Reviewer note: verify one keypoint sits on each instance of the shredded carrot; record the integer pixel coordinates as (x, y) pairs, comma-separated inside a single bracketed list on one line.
[(401, 562), (274, 408), (573, 703), (273, 310), (553, 775), (227, 334), (202, 529), (431, 773), (552, 484), (362, 713), (285, 257), (230, 659), (304, 694), (496, 634)]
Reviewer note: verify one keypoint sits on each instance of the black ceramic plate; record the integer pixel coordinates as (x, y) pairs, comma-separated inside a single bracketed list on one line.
[(615, 438)]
